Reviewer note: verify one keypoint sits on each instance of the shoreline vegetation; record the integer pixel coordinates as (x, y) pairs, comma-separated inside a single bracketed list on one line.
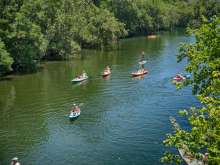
[(36, 30)]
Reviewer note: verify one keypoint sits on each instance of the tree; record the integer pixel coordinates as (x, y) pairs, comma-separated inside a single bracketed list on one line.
[(22, 38), (203, 137), (29, 44), (5, 59), (55, 29), (204, 59), (32, 30)]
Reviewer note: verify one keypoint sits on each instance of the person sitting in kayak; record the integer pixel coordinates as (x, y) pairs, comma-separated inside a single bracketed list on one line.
[(14, 161), (107, 69), (75, 108), (179, 76)]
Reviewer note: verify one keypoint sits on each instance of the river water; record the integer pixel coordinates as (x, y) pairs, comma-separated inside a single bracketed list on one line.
[(123, 120)]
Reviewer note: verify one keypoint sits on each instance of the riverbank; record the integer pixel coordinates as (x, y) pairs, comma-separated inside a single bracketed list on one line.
[(79, 54), (32, 31)]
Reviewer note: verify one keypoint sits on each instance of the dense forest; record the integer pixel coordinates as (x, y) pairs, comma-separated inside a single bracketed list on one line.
[(148, 16), (32, 30)]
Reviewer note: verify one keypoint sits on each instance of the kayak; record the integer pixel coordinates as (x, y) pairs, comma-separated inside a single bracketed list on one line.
[(179, 77), (152, 36), (79, 79), (142, 62), (74, 115), (105, 73), (138, 73)]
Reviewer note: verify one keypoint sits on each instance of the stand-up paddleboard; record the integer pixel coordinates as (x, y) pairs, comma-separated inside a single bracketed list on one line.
[(139, 73)]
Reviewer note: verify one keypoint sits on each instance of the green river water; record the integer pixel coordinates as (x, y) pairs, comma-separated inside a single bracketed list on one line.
[(123, 120)]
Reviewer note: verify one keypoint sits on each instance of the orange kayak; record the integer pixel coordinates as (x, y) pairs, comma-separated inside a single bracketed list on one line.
[(152, 36)]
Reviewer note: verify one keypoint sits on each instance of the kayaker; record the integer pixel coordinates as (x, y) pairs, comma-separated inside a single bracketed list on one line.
[(180, 76), (77, 108), (73, 108), (107, 69), (14, 161)]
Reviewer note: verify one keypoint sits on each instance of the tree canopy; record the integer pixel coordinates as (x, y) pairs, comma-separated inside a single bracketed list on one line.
[(150, 16), (32, 30), (5, 59)]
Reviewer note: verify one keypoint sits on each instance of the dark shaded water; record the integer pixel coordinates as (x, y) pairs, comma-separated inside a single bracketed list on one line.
[(123, 120)]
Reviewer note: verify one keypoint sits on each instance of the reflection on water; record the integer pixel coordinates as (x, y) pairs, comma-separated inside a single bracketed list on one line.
[(141, 77), (123, 119), (106, 77), (9, 101)]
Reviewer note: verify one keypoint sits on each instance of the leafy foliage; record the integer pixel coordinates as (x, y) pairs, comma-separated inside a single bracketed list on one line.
[(203, 58), (5, 59), (32, 30), (147, 16), (204, 64)]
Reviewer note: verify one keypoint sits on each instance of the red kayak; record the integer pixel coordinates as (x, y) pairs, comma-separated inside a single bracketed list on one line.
[(139, 73), (179, 77)]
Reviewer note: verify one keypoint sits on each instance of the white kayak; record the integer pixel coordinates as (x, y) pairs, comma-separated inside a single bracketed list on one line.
[(79, 79), (74, 115), (142, 62)]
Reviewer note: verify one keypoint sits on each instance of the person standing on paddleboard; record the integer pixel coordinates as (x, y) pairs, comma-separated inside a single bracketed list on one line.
[(142, 60)]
